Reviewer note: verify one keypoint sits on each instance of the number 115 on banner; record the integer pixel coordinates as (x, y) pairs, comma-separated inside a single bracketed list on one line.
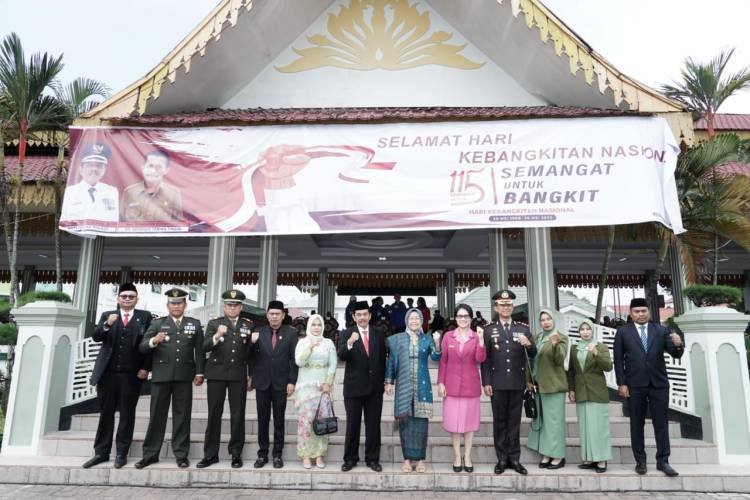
[(466, 186)]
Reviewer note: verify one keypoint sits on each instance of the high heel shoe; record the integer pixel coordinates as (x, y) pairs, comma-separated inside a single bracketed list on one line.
[(467, 468), (601, 469), (459, 468), (559, 465)]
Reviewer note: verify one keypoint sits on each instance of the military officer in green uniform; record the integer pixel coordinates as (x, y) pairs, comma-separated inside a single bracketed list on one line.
[(176, 345), (227, 343)]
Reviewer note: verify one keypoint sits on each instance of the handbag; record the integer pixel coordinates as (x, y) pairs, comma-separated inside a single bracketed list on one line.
[(325, 425), (529, 396)]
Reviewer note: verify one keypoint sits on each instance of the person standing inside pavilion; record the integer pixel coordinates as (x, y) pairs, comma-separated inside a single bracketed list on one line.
[(175, 343), (227, 342), (362, 349), (504, 371), (274, 375), (642, 380), (119, 371)]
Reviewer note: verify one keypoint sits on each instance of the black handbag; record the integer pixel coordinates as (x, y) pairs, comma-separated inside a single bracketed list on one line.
[(325, 425), (529, 396)]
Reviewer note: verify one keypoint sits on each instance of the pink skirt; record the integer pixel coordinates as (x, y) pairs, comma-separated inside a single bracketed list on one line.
[(461, 414)]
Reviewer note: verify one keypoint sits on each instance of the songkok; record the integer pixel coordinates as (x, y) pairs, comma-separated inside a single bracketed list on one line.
[(638, 302), (275, 304), (127, 287), (361, 306)]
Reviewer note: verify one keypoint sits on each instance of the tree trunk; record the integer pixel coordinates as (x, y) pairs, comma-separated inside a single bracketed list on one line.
[(715, 279), (605, 272), (6, 390), (58, 210), (5, 193)]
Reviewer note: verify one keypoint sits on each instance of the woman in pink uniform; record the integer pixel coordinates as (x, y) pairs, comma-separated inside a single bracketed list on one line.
[(459, 385)]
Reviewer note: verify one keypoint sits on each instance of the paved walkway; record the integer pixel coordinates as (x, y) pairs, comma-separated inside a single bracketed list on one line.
[(118, 493)]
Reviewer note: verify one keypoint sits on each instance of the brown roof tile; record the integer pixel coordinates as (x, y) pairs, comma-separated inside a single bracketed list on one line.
[(35, 168), (726, 121)]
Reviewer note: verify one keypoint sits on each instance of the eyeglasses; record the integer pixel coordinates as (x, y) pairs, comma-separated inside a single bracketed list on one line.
[(462, 316), (128, 297)]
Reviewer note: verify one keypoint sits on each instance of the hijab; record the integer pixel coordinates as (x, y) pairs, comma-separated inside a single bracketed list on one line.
[(583, 345), (411, 311), (543, 337), (308, 331)]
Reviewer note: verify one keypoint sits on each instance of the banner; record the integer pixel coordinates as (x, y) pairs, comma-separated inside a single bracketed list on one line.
[(306, 179)]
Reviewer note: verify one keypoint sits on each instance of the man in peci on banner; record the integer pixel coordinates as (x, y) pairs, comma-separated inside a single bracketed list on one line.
[(152, 199), (91, 199)]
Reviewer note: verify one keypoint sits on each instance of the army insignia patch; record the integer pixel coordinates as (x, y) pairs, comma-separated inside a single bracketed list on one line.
[(505, 295), (175, 293), (233, 294)]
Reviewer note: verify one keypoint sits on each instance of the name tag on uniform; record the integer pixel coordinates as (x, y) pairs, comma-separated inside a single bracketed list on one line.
[(189, 329)]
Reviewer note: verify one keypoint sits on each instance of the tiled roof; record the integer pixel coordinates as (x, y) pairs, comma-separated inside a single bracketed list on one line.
[(35, 168), (329, 115), (726, 121)]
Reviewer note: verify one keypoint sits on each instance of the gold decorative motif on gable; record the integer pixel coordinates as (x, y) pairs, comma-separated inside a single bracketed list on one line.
[(379, 34)]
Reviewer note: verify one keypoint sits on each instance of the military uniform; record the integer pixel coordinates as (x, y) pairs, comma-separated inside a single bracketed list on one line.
[(505, 370), (163, 205), (227, 372), (175, 363)]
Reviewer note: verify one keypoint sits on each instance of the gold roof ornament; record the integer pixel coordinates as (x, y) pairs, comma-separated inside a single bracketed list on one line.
[(379, 34)]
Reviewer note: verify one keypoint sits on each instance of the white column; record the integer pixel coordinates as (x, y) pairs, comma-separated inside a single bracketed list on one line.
[(220, 271), (322, 291), (47, 334), (268, 268), (86, 293), (715, 347), (450, 291), (498, 256), (540, 275)]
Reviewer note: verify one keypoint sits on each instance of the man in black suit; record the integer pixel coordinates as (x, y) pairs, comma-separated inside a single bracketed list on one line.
[(119, 371), (362, 348), (274, 374), (509, 347), (642, 378)]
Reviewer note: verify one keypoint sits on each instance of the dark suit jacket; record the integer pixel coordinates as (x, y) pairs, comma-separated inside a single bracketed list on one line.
[(364, 375), (636, 368), (138, 324), (274, 368)]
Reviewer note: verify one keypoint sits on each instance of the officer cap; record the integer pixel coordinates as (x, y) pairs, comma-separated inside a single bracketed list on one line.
[(96, 153), (233, 296), (503, 297), (176, 295)]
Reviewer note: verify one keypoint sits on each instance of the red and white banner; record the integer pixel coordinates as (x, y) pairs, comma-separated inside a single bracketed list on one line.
[(297, 179)]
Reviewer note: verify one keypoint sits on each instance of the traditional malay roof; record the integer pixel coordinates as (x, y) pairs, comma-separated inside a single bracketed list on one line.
[(726, 122)]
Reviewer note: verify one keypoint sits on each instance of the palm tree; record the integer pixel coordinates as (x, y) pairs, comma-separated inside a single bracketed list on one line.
[(705, 87), (22, 86), (76, 98)]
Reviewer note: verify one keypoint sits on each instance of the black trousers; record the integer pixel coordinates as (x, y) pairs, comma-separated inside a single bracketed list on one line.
[(506, 424), (116, 392), (656, 400), (216, 393), (265, 401), (372, 406), (181, 396)]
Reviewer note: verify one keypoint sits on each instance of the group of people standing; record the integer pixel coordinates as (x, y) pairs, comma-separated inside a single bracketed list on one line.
[(503, 359)]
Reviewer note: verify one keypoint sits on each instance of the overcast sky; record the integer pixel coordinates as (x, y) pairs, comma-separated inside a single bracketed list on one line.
[(117, 42)]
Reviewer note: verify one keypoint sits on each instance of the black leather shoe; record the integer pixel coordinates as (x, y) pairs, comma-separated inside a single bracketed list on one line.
[(205, 462), (518, 467), (499, 468), (559, 465), (120, 461), (543, 465), (667, 470), (95, 460), (145, 462), (601, 469), (375, 466), (278, 463), (260, 462), (236, 462), (183, 463), (347, 466), (589, 465), (641, 469)]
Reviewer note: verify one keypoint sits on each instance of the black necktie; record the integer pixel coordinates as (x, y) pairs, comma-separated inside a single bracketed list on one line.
[(507, 328), (91, 193)]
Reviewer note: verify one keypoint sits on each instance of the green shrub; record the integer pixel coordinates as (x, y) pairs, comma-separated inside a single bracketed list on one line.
[(709, 295), (8, 334), (4, 308), (36, 296)]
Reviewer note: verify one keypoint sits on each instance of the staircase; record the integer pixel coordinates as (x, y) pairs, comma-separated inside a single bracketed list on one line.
[(64, 452)]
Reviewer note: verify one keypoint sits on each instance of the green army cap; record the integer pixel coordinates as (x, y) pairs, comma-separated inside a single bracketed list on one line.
[(233, 296), (176, 295)]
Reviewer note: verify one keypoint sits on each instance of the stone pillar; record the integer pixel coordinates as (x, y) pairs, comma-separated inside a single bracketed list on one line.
[(440, 293), (268, 268), (498, 254), (450, 291), (715, 348), (126, 274), (47, 335), (681, 303), (86, 293), (746, 292), (540, 275), (322, 291), (28, 279), (220, 271)]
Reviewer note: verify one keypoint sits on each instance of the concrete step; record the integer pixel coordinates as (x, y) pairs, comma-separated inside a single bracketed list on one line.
[(439, 477), (619, 426), (439, 449)]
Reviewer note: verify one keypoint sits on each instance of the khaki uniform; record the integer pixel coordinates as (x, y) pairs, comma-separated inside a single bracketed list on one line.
[(163, 205)]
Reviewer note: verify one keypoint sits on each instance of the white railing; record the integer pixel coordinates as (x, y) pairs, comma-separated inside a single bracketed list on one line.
[(678, 370), (84, 357)]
